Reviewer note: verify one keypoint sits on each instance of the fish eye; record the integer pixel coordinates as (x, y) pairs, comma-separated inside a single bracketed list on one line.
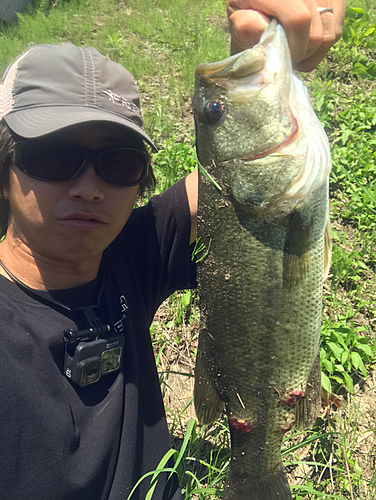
[(215, 110)]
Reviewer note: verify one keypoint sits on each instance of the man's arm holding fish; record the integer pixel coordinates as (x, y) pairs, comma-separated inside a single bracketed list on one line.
[(310, 35)]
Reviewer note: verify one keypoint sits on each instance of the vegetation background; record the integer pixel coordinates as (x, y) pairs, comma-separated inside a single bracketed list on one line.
[(160, 42)]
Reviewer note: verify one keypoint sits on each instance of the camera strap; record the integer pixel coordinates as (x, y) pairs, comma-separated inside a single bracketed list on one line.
[(88, 311), (89, 353)]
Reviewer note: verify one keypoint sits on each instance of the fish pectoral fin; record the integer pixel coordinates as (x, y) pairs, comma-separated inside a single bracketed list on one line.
[(309, 408), (208, 404), (296, 254), (327, 248)]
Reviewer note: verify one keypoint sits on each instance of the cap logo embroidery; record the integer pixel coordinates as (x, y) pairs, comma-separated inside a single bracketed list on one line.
[(115, 98)]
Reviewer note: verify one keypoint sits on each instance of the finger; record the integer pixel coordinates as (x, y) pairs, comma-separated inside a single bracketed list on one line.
[(315, 31), (246, 28), (322, 37), (339, 10), (294, 16)]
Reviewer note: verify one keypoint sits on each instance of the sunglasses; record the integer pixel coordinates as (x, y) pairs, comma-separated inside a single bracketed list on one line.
[(57, 160)]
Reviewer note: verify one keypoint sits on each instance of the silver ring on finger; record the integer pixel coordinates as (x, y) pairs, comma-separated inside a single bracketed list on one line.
[(323, 10)]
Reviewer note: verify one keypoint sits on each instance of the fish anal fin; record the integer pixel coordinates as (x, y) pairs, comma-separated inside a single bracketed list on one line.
[(208, 405), (269, 487), (327, 248), (309, 408), (296, 256)]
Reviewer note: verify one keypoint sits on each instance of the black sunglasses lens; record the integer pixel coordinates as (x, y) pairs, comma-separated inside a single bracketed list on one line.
[(52, 159), (58, 160), (122, 166)]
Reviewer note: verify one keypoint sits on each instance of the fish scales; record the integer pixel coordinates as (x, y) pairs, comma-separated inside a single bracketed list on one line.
[(260, 282)]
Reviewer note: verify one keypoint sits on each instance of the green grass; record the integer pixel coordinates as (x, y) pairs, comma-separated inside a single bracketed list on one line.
[(144, 36), (160, 42)]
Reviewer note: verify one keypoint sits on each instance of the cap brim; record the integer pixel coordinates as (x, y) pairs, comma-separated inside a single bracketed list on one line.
[(36, 122)]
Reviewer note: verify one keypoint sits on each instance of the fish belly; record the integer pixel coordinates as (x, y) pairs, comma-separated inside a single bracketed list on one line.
[(260, 311)]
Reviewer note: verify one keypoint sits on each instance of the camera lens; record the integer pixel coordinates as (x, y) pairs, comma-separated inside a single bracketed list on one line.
[(90, 372), (111, 360)]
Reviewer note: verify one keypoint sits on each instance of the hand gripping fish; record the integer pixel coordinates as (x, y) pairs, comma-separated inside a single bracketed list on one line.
[(264, 224)]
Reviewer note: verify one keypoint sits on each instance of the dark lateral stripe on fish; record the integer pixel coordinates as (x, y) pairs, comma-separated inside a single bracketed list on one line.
[(296, 256)]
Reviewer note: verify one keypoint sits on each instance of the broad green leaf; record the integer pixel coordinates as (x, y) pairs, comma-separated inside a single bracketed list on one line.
[(187, 298), (356, 360), (348, 382), (323, 354), (361, 368), (339, 338), (371, 69), (335, 350), (369, 31), (366, 349), (328, 365), (344, 356), (357, 469), (325, 382), (360, 70), (358, 10)]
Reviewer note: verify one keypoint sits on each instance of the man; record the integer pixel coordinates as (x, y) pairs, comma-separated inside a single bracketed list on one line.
[(82, 274)]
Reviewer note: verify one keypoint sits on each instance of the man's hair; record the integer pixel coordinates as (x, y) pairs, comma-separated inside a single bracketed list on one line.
[(7, 142)]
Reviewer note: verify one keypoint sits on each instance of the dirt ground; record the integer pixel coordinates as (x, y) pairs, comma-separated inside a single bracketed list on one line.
[(355, 416)]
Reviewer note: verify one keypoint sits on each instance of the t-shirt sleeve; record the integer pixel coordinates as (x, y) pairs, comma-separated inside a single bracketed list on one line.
[(157, 238)]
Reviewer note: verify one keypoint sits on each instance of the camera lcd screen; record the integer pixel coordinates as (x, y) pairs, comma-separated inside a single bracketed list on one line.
[(111, 360)]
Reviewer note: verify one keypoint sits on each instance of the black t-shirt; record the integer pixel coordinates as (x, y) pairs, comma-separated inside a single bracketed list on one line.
[(62, 442)]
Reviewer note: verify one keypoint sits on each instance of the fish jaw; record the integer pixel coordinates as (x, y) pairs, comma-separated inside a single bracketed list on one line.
[(256, 114), (252, 111)]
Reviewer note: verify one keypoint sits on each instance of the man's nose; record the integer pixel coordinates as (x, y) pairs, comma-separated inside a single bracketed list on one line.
[(87, 185)]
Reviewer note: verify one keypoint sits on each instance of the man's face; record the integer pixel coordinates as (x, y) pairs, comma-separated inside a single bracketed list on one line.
[(74, 220)]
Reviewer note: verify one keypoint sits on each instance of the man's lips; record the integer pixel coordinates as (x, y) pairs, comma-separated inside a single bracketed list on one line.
[(83, 220)]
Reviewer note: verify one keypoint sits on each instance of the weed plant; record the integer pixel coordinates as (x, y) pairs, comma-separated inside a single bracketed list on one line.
[(160, 42)]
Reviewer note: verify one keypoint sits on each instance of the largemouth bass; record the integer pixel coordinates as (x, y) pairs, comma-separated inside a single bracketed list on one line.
[(264, 226)]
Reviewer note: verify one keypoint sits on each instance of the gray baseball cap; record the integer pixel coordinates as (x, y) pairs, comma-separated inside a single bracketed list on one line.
[(51, 87)]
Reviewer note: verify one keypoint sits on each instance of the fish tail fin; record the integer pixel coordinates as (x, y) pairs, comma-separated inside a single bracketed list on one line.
[(240, 487)]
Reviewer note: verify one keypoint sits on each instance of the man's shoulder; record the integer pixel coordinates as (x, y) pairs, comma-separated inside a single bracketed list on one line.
[(149, 220)]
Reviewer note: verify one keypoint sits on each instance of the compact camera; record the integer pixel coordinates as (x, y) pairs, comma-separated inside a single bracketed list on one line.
[(88, 356)]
